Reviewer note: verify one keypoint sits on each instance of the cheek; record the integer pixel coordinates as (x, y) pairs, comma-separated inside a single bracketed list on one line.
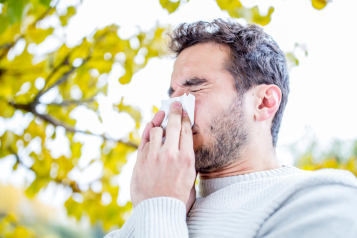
[(203, 115), (204, 111)]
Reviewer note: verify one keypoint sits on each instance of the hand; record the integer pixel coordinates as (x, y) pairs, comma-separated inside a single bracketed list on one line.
[(192, 198), (165, 169)]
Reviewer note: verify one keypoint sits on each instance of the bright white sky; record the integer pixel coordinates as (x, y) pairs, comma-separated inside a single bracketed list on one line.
[(321, 105)]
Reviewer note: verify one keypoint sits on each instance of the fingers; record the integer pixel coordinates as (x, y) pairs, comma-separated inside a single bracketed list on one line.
[(156, 134), (146, 136), (156, 121), (186, 140), (158, 118), (173, 128), (142, 156)]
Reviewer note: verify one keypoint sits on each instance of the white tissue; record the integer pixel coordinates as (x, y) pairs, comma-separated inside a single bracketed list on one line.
[(188, 104)]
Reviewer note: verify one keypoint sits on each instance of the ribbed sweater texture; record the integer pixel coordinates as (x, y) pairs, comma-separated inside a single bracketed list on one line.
[(284, 202)]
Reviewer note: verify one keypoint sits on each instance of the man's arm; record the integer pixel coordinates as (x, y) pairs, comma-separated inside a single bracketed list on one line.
[(163, 178), (328, 211), (155, 218)]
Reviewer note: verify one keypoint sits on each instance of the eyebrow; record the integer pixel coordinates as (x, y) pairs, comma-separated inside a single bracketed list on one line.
[(188, 83)]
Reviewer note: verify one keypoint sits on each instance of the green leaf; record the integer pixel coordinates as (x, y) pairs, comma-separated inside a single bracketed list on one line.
[(292, 59), (15, 10), (169, 6), (4, 23), (45, 2)]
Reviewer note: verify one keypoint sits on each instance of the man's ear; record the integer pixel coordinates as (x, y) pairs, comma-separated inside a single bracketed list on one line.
[(267, 101)]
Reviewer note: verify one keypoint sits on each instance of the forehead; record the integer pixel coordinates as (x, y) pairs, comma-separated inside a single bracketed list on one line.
[(201, 60)]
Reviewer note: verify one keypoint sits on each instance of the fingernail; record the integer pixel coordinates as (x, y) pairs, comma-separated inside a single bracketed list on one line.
[(184, 113), (177, 104)]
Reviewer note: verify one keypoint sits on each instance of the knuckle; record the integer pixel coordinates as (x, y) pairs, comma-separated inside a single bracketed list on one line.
[(148, 125), (185, 130), (187, 162), (175, 110), (153, 155), (187, 158), (170, 154), (156, 131), (147, 145)]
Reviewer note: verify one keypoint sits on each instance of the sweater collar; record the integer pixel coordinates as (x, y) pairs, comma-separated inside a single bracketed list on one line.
[(208, 186)]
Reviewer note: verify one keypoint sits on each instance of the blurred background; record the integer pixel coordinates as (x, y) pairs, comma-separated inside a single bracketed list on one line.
[(79, 79)]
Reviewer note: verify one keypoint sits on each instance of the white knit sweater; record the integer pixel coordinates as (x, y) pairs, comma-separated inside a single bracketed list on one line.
[(285, 202)]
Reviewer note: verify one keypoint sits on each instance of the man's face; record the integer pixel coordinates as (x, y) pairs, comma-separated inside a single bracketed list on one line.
[(218, 134)]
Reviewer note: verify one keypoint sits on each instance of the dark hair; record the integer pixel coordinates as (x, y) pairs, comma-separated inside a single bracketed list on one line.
[(255, 58)]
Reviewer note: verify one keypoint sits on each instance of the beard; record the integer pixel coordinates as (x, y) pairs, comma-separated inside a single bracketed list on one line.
[(228, 135)]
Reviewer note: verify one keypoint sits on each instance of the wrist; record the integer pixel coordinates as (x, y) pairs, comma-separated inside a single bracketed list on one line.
[(167, 214)]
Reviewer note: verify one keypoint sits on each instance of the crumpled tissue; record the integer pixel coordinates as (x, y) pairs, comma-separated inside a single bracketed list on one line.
[(188, 104)]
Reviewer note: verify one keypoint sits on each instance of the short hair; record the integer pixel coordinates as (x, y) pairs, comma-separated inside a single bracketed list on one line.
[(255, 58)]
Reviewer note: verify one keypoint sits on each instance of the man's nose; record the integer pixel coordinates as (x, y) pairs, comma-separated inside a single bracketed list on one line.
[(179, 93)]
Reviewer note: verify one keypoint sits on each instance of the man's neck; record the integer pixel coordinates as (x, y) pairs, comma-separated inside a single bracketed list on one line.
[(256, 162)]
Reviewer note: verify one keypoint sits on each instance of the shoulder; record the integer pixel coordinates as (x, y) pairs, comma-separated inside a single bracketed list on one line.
[(324, 205), (323, 184), (305, 182), (323, 176)]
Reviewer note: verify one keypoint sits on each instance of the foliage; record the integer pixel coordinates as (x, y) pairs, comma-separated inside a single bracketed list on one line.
[(169, 6), (65, 69), (16, 221), (76, 74), (319, 4), (333, 159), (236, 10)]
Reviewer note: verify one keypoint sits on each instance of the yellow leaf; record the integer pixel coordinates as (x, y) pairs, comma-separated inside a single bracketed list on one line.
[(169, 6), (71, 11), (292, 59), (20, 232), (236, 10), (319, 4), (6, 110), (154, 109), (229, 4), (37, 35), (132, 111)]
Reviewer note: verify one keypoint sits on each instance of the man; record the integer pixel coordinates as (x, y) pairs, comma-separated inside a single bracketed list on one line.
[(239, 78)]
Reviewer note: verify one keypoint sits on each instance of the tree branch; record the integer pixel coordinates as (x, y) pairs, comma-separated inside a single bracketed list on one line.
[(31, 108), (67, 74), (61, 80), (71, 102), (71, 184), (7, 46)]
